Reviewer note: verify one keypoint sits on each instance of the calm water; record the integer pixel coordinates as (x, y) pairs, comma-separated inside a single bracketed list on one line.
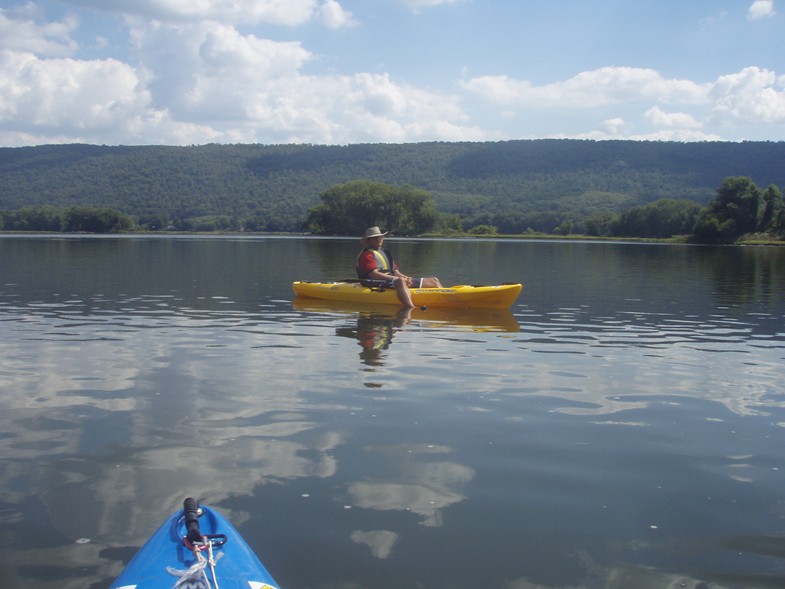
[(622, 426)]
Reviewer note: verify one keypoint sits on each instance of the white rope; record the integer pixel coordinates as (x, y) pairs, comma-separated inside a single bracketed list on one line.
[(192, 578), (195, 577), (212, 562)]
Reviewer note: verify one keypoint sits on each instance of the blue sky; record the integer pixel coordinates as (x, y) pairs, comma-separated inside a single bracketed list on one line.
[(182, 72)]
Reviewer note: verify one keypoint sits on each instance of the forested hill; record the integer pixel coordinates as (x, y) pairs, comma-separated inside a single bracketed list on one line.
[(538, 182)]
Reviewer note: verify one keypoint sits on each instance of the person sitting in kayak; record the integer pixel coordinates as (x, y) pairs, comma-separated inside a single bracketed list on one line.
[(377, 264)]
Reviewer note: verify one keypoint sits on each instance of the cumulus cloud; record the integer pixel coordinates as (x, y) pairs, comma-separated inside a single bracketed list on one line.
[(62, 100), (21, 31), (197, 82), (674, 120), (753, 94), (760, 9), (48, 92), (356, 108), (334, 16), (257, 87), (613, 127), (608, 85), (193, 74)]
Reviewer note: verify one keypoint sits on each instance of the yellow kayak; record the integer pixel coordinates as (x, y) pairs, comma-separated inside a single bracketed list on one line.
[(485, 297)]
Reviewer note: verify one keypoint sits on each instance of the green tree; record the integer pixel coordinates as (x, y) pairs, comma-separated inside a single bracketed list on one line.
[(153, 222), (96, 220), (772, 209), (483, 230), (662, 218), (564, 228), (738, 199), (348, 209), (450, 224), (709, 228), (35, 218), (737, 209), (601, 224)]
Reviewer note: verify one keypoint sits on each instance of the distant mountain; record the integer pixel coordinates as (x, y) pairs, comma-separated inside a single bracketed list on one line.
[(537, 181)]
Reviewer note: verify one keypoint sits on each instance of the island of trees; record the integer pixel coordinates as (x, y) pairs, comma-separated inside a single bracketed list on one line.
[(713, 192)]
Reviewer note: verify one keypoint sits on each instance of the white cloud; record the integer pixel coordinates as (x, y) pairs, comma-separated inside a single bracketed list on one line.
[(256, 90), (674, 120), (605, 133), (754, 94), (193, 76), (19, 31), (613, 127), (228, 56), (333, 15), (211, 71), (50, 91), (760, 9), (356, 108), (608, 85), (207, 82), (67, 100)]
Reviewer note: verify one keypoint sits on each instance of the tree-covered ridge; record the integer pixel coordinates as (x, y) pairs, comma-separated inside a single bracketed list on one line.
[(514, 185), (739, 209)]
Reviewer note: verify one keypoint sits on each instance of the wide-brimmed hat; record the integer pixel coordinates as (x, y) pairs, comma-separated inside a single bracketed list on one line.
[(373, 232)]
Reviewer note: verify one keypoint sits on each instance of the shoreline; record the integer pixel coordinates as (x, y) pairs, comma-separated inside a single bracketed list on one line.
[(676, 240)]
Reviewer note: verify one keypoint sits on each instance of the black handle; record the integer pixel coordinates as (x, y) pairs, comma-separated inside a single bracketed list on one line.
[(192, 520)]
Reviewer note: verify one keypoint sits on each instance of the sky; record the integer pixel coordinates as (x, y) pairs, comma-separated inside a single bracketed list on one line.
[(191, 72)]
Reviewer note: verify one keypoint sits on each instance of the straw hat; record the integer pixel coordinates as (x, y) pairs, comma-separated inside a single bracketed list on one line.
[(371, 232)]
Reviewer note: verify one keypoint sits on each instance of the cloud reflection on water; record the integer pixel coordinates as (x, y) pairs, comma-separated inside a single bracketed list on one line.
[(381, 542), (109, 415)]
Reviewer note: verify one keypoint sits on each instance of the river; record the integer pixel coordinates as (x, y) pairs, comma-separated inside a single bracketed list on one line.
[(622, 425)]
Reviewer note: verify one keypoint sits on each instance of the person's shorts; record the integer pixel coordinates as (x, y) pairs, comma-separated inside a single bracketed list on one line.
[(416, 282)]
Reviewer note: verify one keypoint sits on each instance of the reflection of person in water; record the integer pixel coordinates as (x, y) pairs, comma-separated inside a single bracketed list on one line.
[(375, 333)]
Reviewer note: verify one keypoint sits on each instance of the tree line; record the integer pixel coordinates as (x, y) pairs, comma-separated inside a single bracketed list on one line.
[(739, 208), (77, 219)]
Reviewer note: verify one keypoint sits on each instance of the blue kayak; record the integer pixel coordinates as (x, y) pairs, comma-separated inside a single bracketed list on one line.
[(196, 548)]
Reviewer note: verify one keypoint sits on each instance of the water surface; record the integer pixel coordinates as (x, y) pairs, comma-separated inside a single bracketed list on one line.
[(621, 426)]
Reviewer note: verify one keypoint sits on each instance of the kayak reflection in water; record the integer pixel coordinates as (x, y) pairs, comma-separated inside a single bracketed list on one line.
[(376, 263), (375, 333)]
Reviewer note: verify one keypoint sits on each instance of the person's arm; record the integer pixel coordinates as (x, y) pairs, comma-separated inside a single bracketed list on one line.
[(376, 275), (399, 274)]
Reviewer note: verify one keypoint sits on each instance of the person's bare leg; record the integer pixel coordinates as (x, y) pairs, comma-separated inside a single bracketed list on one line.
[(402, 290), (431, 282)]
